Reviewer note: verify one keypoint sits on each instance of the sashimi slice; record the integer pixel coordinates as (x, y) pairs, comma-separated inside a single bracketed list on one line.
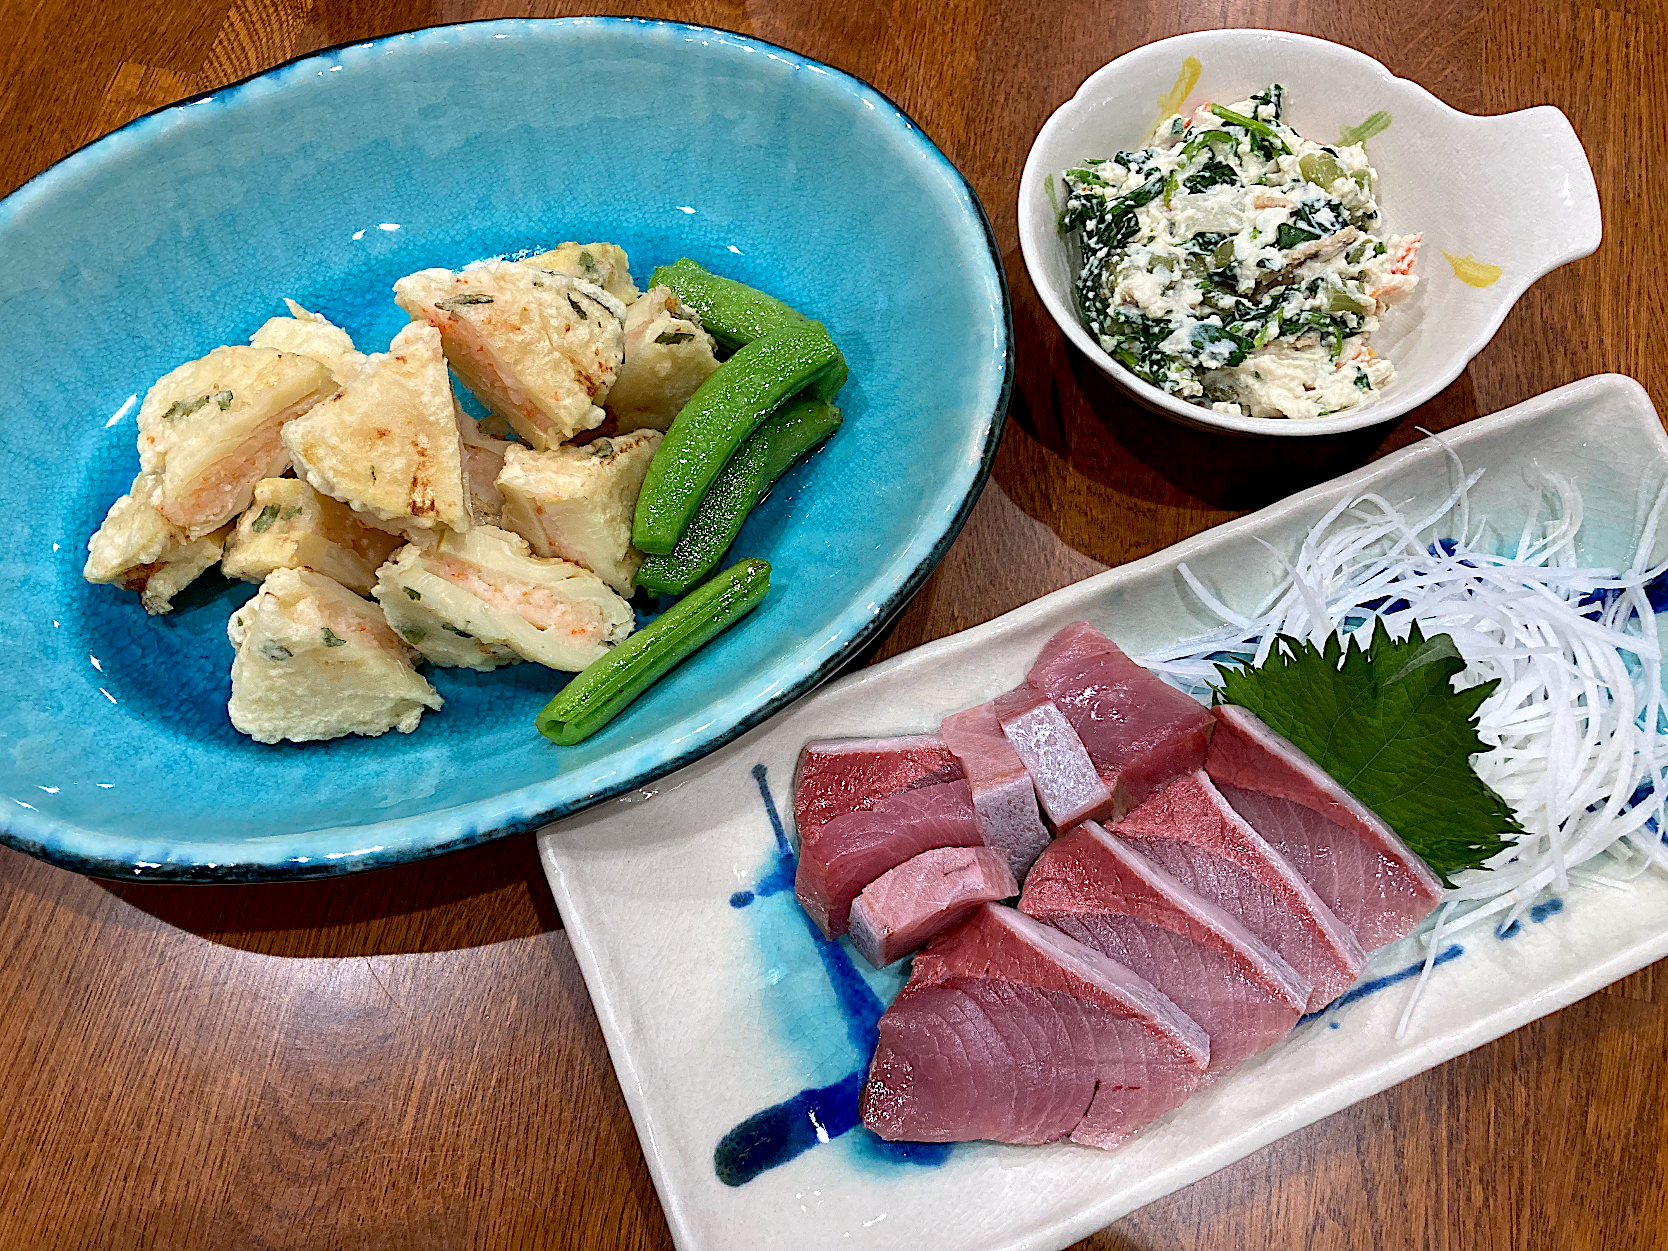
[(907, 907), (1003, 795), (1098, 890), (1140, 732), (1067, 785), (838, 859), (1192, 833), (1011, 1031), (837, 776), (1375, 882)]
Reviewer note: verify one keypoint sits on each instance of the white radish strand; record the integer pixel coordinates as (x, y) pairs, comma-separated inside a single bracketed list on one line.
[(1575, 729)]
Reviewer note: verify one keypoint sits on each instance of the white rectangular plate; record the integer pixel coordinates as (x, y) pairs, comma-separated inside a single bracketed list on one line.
[(718, 1003)]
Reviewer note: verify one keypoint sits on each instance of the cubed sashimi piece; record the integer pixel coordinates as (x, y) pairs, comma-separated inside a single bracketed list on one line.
[(538, 348), (605, 264), (1009, 1030), (1067, 785), (210, 430), (838, 859), (1375, 882), (314, 661), (667, 357), (314, 335), (837, 776), (1103, 893), (1188, 830), (907, 907), (1003, 794), (1140, 732), (387, 443), (291, 526), (140, 549), (578, 502), (481, 599)]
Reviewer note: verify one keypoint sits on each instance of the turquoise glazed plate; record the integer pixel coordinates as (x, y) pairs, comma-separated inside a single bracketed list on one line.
[(325, 180)]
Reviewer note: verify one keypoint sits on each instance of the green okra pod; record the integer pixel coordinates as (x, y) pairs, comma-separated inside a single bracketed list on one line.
[(604, 688), (789, 433), (718, 419)]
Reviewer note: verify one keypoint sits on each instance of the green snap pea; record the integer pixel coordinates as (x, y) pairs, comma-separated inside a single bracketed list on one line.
[(789, 433), (605, 688), (732, 312), (1320, 169), (735, 314), (717, 420), (1343, 302), (796, 428)]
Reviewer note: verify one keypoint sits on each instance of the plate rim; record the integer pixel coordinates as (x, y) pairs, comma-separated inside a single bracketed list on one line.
[(34, 834)]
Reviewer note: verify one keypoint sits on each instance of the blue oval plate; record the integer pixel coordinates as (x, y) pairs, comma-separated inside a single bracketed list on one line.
[(325, 180)]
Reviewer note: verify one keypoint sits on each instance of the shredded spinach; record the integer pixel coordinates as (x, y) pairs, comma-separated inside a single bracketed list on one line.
[(1290, 236), (1213, 173)]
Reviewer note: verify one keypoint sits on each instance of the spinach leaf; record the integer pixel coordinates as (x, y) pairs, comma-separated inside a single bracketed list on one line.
[(1213, 173), (1290, 236)]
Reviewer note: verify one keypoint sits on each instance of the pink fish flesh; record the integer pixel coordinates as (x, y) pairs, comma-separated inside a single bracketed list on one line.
[(1011, 1031), (1139, 731), (910, 905), (1002, 792), (1065, 779), (837, 776), (1191, 832), (839, 858), (1376, 883), (1098, 890)]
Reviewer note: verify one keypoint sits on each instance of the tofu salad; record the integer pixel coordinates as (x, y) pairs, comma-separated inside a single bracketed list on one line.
[(1237, 264)]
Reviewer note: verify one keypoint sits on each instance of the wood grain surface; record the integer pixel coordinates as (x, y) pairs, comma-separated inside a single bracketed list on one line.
[(408, 1059)]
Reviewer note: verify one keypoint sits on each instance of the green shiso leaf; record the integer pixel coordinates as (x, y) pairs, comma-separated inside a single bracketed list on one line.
[(1385, 720)]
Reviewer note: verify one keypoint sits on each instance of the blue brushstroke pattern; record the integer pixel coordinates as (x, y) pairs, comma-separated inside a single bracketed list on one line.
[(1539, 913), (787, 1129), (1373, 986)]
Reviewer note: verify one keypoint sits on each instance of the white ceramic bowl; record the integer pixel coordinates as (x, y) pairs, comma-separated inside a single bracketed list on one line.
[(1514, 191)]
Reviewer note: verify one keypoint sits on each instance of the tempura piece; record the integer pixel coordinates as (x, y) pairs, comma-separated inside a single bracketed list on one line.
[(667, 356), (602, 263), (387, 443), (292, 526), (539, 349), (314, 661), (483, 461), (577, 502), (312, 334), (209, 430), (480, 600), (138, 548)]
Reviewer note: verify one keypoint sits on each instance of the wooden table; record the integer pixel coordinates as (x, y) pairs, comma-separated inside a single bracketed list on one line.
[(409, 1059)]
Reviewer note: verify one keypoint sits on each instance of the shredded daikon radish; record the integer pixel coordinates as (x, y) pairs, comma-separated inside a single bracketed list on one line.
[(1576, 728)]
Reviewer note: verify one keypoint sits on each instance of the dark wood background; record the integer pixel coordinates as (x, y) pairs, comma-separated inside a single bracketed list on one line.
[(409, 1059)]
